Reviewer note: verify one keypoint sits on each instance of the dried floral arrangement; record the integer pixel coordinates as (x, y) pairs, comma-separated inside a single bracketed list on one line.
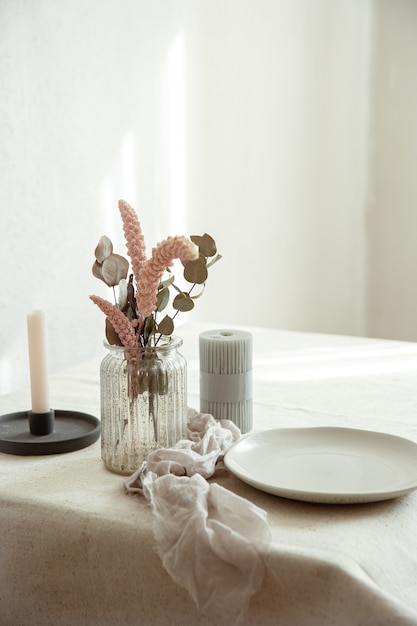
[(132, 321)]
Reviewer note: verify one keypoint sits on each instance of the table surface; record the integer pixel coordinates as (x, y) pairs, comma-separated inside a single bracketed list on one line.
[(75, 549)]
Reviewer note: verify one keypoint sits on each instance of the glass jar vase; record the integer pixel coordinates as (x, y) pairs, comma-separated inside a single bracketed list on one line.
[(143, 402)]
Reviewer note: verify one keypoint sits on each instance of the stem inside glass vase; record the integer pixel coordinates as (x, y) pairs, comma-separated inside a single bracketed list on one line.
[(143, 402)]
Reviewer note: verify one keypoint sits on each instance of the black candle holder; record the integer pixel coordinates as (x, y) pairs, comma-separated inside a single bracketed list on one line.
[(27, 433)]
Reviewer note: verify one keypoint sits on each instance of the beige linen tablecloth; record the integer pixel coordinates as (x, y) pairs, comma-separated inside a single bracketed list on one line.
[(75, 549)]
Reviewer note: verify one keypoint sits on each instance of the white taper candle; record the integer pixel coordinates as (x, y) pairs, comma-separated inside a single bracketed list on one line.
[(38, 362)]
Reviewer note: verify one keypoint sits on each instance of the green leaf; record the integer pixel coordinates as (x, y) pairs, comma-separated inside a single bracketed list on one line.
[(196, 271), (166, 326), (205, 243), (182, 302), (162, 299)]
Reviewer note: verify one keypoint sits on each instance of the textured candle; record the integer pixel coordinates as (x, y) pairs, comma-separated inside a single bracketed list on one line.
[(37, 362), (226, 376)]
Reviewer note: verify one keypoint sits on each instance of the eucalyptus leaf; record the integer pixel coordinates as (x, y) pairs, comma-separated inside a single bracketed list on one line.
[(213, 261), (111, 335), (183, 302), (196, 271), (114, 268), (205, 243), (162, 299), (97, 272), (198, 295), (104, 249), (176, 288), (166, 326), (166, 283), (122, 293)]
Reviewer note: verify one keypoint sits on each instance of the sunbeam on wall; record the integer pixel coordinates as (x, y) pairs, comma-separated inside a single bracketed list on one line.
[(120, 182), (177, 134)]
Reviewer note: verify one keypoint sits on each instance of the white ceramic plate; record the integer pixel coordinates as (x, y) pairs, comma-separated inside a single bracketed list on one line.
[(333, 465)]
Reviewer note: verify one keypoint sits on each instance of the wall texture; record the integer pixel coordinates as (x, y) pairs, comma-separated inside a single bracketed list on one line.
[(248, 119), (392, 215)]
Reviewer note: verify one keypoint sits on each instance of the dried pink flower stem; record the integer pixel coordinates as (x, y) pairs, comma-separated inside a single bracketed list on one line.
[(119, 321), (135, 242), (152, 270)]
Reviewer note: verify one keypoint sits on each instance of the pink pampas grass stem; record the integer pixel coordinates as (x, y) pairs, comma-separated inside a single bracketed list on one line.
[(135, 242), (119, 321), (152, 270)]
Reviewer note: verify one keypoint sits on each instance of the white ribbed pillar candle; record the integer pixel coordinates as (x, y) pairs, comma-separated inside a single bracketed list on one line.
[(226, 376)]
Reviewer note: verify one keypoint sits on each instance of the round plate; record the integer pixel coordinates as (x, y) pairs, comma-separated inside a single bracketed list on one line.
[(331, 465)]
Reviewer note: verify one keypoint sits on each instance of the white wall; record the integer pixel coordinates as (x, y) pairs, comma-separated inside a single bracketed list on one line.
[(80, 99), (248, 119), (278, 141), (392, 215)]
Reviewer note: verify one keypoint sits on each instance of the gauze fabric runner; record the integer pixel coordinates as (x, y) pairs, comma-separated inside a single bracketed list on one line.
[(211, 541)]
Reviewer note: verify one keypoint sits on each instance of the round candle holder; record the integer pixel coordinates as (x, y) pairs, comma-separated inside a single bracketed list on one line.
[(27, 433)]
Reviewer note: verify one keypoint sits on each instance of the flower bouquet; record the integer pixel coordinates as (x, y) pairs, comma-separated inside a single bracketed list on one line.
[(143, 378)]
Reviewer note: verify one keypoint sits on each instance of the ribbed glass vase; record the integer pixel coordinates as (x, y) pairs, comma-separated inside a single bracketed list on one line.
[(143, 402)]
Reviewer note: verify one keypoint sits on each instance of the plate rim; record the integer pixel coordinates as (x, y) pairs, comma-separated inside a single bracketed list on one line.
[(326, 497)]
